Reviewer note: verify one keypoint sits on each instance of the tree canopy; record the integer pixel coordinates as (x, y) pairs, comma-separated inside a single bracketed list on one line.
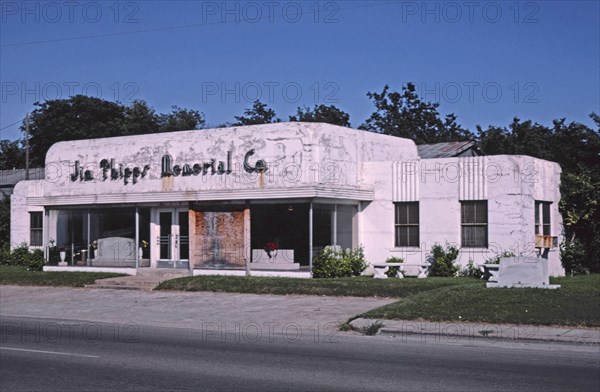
[(12, 155), (576, 148), (82, 117), (405, 114), (322, 113), (259, 113)]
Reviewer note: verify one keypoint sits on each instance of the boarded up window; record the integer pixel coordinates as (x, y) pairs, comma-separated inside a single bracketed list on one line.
[(407, 224), (474, 222)]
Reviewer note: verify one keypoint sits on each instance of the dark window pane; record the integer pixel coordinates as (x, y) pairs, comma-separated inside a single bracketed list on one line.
[(407, 224), (413, 213), (481, 212), (413, 236), (474, 219), (36, 225), (401, 213), (546, 213), (36, 238)]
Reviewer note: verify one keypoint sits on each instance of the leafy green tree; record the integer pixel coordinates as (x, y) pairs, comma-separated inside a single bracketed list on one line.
[(322, 113), (181, 119), (12, 155), (406, 115), (76, 118), (576, 148), (140, 118), (82, 117), (4, 221), (259, 113)]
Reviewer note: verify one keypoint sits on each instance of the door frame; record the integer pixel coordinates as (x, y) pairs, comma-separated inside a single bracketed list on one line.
[(175, 239)]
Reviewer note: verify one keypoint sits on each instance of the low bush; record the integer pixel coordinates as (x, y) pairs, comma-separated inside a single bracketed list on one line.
[(471, 270), (22, 257), (442, 260), (496, 260), (333, 262)]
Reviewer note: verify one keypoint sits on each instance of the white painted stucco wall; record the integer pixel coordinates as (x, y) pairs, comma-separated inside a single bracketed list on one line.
[(314, 154), (296, 154), (510, 184)]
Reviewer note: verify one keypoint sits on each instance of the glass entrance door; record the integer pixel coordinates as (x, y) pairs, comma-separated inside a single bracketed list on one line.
[(173, 238)]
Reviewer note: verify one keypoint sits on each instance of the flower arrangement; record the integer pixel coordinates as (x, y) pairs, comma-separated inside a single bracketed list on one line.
[(271, 246)]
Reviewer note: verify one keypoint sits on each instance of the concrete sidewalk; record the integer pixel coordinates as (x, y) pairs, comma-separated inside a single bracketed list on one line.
[(183, 309), (457, 332), (229, 311)]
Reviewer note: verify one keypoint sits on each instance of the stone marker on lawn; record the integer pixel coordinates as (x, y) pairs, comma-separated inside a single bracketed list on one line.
[(523, 272)]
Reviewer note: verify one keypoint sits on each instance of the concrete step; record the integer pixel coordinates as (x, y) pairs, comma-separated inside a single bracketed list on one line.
[(163, 272), (146, 281), (121, 287)]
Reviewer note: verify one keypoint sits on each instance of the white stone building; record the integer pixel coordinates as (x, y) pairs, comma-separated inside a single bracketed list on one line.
[(269, 197)]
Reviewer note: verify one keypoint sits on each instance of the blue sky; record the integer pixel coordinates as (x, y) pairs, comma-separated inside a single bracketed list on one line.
[(485, 61)]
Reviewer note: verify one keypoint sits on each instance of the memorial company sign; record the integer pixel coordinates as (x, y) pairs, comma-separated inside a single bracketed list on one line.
[(111, 171)]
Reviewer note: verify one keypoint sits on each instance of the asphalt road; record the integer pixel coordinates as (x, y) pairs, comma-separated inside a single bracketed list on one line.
[(61, 355)]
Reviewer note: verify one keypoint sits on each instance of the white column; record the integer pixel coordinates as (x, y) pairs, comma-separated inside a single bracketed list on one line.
[(137, 237), (334, 225), (247, 239), (310, 235), (89, 241)]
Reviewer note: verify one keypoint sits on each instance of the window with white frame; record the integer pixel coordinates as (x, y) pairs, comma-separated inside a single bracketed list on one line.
[(542, 218), (36, 225), (474, 224), (407, 223)]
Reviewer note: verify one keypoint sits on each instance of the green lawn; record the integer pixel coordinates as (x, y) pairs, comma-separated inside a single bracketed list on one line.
[(356, 287), (576, 303), (20, 276)]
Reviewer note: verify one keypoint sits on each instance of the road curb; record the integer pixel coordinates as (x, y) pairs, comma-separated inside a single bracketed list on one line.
[(455, 332)]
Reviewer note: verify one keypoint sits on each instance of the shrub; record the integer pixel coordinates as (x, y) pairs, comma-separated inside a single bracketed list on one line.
[(22, 257), (356, 258), (393, 271), (36, 261), (573, 256), (332, 262), (496, 260), (5, 255), (471, 270), (442, 260), (19, 256)]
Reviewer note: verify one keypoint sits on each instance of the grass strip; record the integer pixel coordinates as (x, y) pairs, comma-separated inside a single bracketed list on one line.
[(19, 276), (354, 287), (576, 303)]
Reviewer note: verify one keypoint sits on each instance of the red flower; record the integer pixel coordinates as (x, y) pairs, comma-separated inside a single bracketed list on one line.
[(271, 246)]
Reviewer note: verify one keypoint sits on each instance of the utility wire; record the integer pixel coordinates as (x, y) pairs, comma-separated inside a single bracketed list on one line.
[(369, 5)]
